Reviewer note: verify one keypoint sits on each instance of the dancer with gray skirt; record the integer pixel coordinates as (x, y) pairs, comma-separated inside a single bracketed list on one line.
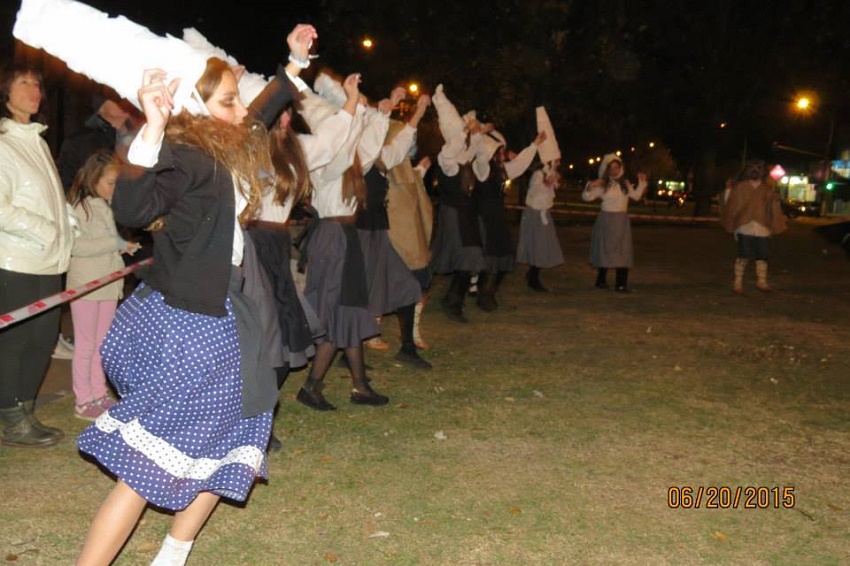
[(611, 238)]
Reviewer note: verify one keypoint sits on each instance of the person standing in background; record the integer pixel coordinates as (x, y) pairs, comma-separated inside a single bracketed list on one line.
[(411, 217), (611, 238), (752, 211), (97, 251), (35, 249)]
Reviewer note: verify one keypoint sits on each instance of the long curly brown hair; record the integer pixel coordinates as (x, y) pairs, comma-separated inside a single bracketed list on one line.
[(290, 165), (243, 149)]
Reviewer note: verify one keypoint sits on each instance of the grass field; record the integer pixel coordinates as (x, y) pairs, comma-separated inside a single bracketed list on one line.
[(549, 432)]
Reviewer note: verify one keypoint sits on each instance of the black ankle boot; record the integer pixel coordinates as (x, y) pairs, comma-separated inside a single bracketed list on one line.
[(533, 279), (29, 408), (601, 277), (274, 445), (622, 281), (487, 292), (310, 395), (409, 356), (363, 394), (452, 302), (18, 430)]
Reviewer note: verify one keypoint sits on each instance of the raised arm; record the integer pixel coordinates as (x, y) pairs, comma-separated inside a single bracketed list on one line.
[(519, 164), (285, 85)]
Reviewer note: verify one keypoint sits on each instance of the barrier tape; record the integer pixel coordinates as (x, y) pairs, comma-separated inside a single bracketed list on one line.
[(42, 305), (661, 217), (47, 303)]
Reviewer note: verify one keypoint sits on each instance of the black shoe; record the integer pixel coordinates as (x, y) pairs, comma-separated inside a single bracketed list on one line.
[(412, 359), (275, 445), (454, 313), (365, 395), (537, 286), (314, 400), (602, 286), (487, 302)]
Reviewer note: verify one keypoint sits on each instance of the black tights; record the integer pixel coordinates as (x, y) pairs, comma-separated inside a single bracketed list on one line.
[(406, 315), (324, 357)]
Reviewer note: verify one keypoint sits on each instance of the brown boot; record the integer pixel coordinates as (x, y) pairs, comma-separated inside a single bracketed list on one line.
[(740, 268), (18, 431), (761, 277)]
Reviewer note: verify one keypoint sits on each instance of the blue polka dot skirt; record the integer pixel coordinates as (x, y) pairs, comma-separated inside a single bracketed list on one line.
[(178, 428)]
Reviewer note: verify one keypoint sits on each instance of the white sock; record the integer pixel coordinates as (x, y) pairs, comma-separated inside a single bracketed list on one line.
[(173, 552)]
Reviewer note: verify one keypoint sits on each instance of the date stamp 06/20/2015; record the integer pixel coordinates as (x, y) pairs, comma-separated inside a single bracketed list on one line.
[(730, 497)]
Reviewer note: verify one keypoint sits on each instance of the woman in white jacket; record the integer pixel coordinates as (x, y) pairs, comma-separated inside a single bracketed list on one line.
[(35, 248)]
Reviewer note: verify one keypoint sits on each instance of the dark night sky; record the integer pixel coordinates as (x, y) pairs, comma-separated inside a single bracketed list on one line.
[(255, 34)]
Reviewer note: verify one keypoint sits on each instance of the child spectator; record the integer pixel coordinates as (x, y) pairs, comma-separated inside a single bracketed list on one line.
[(97, 252)]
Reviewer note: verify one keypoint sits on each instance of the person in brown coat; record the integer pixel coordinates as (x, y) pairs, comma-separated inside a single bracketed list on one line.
[(752, 211)]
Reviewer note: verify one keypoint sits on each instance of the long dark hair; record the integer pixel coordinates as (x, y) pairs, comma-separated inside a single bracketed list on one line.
[(8, 74), (290, 164), (88, 177)]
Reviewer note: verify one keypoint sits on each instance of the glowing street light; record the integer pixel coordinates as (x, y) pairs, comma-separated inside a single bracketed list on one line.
[(803, 104), (651, 144), (413, 88), (367, 43)]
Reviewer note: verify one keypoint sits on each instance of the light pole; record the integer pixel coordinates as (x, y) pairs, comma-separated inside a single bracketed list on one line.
[(804, 105)]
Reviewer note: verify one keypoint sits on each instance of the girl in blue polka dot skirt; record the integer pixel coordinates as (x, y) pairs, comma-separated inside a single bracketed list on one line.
[(185, 351)]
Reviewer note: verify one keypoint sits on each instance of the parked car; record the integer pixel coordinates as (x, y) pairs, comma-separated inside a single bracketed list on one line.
[(794, 208)]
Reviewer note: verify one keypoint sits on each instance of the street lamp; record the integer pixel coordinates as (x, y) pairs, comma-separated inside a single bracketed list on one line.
[(804, 105)]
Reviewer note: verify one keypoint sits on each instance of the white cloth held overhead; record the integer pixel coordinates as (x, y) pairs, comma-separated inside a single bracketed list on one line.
[(250, 84), (113, 51), (548, 150)]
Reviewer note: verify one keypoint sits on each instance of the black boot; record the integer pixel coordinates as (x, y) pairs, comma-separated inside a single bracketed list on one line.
[(487, 283), (452, 302), (19, 431), (533, 279), (274, 445), (601, 276), (408, 354), (29, 407), (622, 284), (310, 394)]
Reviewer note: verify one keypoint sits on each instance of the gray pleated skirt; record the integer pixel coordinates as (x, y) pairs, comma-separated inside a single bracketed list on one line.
[(538, 243), (448, 254), (611, 240), (391, 284), (346, 326)]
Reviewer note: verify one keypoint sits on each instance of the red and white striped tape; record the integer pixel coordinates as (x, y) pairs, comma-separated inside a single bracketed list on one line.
[(46, 303), (661, 217)]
